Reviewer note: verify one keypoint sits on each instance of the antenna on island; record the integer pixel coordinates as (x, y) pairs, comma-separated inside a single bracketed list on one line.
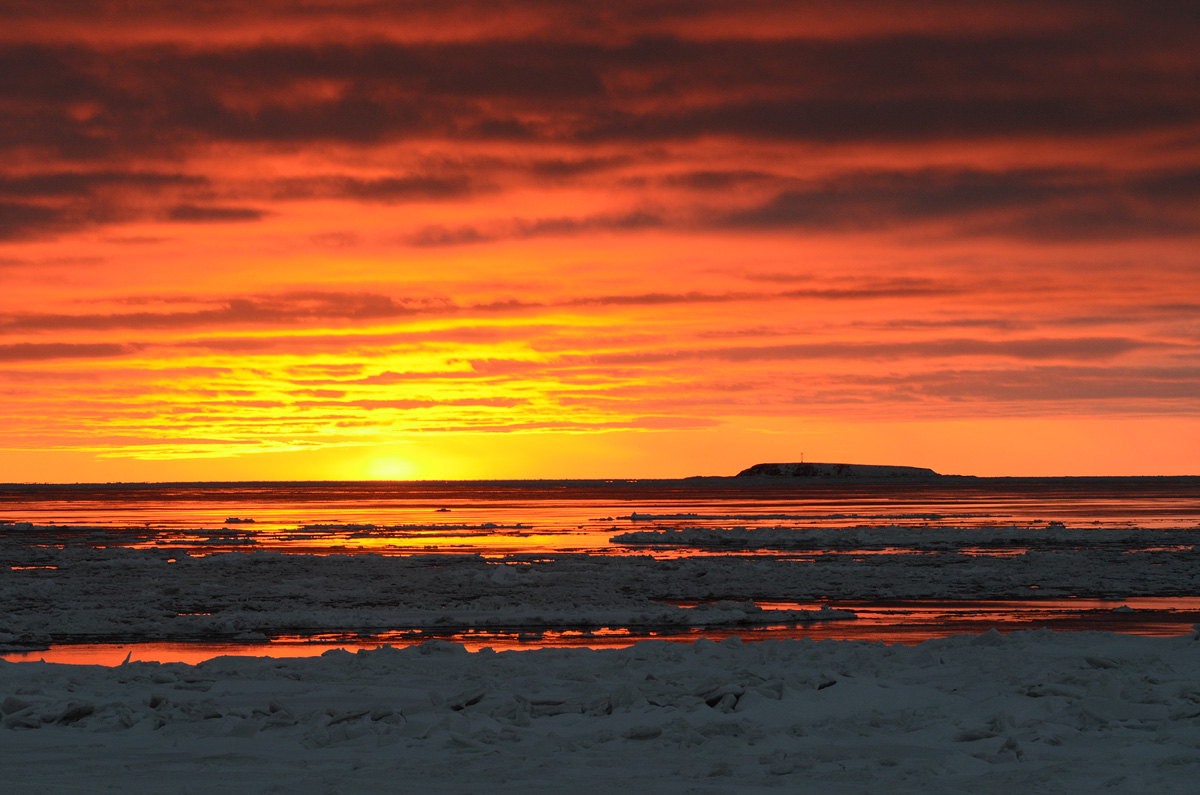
[(802, 458)]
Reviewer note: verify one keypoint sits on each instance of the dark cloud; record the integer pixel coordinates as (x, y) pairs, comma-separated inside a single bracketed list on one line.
[(1079, 348), (192, 213), (869, 200), (591, 82), (44, 351), (661, 299), (1041, 204), (396, 189), (51, 202), (386, 190), (298, 308), (1083, 348), (631, 364), (907, 120), (1036, 204), (901, 288), (82, 183), (1096, 220), (524, 229), (295, 308), (20, 219), (995, 323), (564, 168), (717, 180), (62, 201), (1085, 80), (1044, 384), (611, 19), (436, 235)]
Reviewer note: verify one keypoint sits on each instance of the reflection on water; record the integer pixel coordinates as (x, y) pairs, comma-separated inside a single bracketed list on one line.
[(908, 622), (545, 518), (508, 517)]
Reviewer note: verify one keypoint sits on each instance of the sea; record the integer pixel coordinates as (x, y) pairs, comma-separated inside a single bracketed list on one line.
[(530, 518), (557, 516)]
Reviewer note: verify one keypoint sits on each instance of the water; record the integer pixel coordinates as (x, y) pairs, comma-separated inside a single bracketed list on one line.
[(906, 622), (545, 518), (507, 517)]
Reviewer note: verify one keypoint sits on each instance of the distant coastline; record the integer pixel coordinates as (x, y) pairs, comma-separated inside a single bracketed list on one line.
[(823, 470)]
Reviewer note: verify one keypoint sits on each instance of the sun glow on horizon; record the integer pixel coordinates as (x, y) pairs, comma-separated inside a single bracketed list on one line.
[(391, 468)]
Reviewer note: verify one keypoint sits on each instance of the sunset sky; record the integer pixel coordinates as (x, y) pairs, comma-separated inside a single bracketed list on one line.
[(339, 239)]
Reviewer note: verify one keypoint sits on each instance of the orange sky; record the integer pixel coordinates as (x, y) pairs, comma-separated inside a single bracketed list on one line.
[(484, 240)]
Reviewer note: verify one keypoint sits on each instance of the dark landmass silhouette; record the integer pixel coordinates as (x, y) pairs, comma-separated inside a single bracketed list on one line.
[(816, 470)]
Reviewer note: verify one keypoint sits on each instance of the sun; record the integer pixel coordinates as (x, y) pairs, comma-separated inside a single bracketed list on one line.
[(390, 468)]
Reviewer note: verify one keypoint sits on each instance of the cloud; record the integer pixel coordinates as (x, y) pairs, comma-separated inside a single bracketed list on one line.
[(46, 351), (559, 95), (870, 200), (1045, 384), (692, 143), (848, 353), (304, 307), (1034, 203), (21, 219), (564, 168), (62, 201), (1094, 77), (296, 307), (386, 190), (81, 183), (53, 202), (617, 19), (1030, 348), (191, 213), (1044, 204), (710, 180), (1092, 219), (437, 235)]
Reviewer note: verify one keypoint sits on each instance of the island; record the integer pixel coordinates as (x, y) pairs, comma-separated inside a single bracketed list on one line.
[(816, 470)]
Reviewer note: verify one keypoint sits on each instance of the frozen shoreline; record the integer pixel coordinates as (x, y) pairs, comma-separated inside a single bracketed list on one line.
[(989, 713), (78, 591), (1076, 712)]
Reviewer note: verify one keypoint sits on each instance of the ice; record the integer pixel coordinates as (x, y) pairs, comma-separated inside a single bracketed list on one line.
[(79, 592), (1056, 535), (1072, 712), (992, 713)]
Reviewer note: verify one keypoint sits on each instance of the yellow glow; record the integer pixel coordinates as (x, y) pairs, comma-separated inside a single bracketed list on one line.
[(390, 468)]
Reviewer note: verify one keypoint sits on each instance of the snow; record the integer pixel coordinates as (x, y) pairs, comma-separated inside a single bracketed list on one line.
[(1030, 711)]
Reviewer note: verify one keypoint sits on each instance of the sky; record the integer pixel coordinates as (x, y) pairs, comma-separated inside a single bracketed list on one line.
[(355, 239)]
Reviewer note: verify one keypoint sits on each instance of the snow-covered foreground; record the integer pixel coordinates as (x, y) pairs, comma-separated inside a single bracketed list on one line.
[(1032, 711), (1028, 712)]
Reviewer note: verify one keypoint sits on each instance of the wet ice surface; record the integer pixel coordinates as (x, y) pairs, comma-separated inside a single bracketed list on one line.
[(65, 585), (1030, 711), (501, 517), (79, 592)]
